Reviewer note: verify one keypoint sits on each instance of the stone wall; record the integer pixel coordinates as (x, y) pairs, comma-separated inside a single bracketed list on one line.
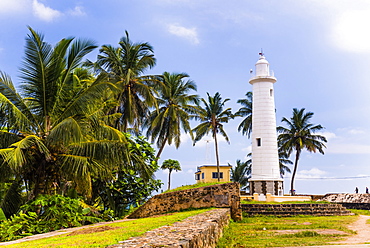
[(199, 231), (347, 198), (219, 195), (351, 201), (295, 209)]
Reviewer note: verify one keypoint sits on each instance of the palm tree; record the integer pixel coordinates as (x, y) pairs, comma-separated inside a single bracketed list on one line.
[(212, 116), (241, 173), (125, 66), (299, 135), (173, 115), (171, 165), (246, 111), (283, 161), (55, 134)]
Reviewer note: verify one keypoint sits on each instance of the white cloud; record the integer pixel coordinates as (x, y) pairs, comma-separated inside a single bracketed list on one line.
[(313, 173), (77, 11), (13, 6), (348, 148), (356, 131), (188, 33), (45, 13), (190, 171), (349, 30), (327, 135)]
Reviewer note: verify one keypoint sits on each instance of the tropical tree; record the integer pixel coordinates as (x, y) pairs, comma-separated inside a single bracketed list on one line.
[(300, 135), (175, 109), (127, 188), (125, 66), (212, 115), (246, 111), (171, 165), (55, 137), (283, 162), (241, 173)]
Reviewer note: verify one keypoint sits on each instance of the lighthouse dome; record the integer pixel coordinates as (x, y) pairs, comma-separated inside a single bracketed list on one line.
[(262, 67)]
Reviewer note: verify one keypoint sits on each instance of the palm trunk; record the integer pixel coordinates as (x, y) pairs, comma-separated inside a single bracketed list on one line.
[(217, 159), (161, 149), (169, 180), (294, 172)]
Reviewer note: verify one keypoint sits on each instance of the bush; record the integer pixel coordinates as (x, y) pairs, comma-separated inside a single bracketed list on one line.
[(46, 213)]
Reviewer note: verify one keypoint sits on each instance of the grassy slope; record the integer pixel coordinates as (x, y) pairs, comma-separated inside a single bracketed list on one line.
[(116, 232), (259, 231)]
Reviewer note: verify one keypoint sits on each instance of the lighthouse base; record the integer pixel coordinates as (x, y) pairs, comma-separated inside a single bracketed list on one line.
[(274, 187)]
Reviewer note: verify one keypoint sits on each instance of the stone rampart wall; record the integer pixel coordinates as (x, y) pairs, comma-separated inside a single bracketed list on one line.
[(200, 231), (362, 206), (219, 195), (347, 198), (351, 201)]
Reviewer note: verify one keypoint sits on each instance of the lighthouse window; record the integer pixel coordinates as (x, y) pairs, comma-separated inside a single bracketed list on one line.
[(271, 91), (258, 141)]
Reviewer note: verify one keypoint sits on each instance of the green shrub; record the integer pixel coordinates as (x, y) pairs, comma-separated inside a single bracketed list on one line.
[(44, 214)]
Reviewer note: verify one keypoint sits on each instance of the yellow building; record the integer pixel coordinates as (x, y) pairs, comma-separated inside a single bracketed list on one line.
[(208, 173)]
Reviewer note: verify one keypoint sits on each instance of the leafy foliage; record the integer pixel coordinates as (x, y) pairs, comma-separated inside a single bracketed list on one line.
[(171, 165), (175, 110), (299, 135), (44, 214), (124, 66), (127, 188), (212, 115), (246, 111), (11, 196), (241, 173)]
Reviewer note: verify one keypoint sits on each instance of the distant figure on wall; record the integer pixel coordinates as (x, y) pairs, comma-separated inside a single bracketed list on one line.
[(367, 190), (356, 190)]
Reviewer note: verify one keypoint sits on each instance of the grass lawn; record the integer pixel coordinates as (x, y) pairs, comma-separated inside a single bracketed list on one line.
[(260, 231), (108, 234)]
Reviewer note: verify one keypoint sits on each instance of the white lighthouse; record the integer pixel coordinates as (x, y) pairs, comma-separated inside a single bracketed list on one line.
[(265, 160)]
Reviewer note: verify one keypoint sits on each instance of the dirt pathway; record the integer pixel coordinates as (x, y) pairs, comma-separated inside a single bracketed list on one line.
[(355, 241), (362, 229)]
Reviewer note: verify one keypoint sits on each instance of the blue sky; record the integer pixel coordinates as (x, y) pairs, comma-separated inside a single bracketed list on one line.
[(318, 50)]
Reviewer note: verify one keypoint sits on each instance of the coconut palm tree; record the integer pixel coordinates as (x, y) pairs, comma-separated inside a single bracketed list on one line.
[(241, 173), (246, 111), (212, 115), (300, 135), (283, 162), (171, 165), (125, 66), (175, 109), (52, 138)]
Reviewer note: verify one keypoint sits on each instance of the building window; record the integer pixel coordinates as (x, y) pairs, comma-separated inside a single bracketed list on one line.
[(214, 175), (271, 92), (259, 143), (203, 175), (197, 176)]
